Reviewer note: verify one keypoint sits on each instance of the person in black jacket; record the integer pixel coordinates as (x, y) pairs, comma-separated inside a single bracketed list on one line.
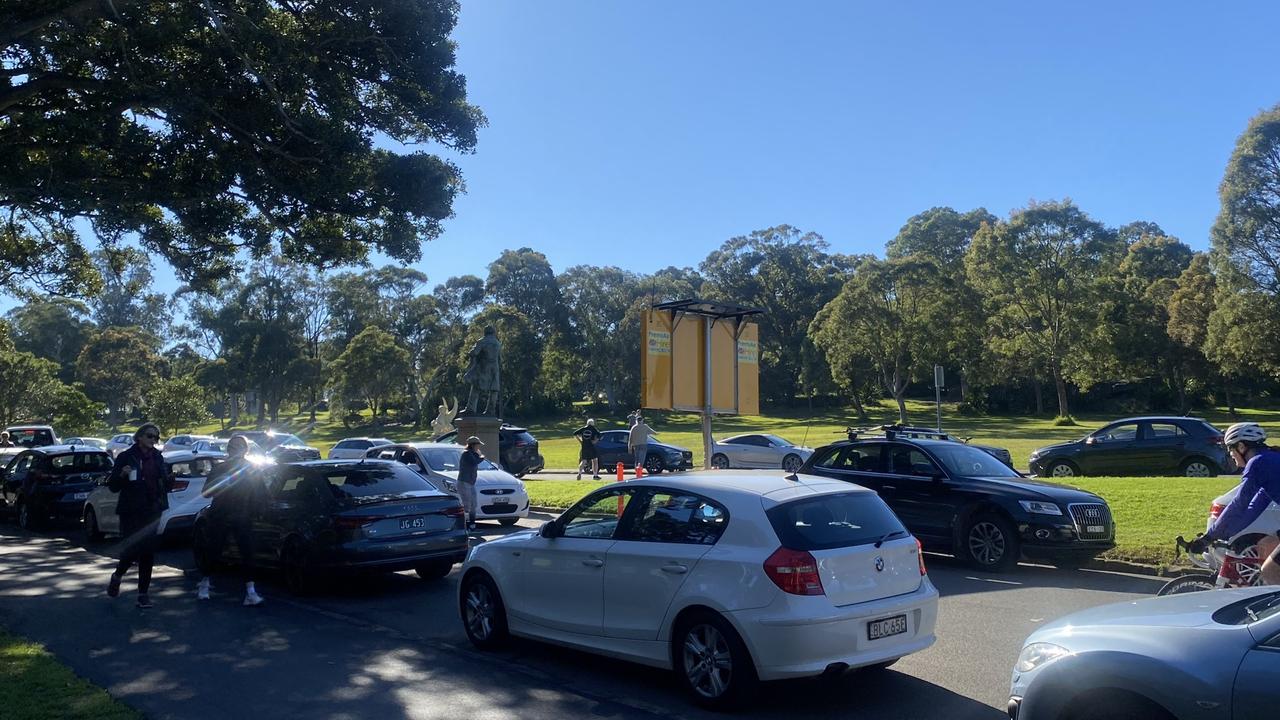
[(237, 495), (143, 482), (468, 473)]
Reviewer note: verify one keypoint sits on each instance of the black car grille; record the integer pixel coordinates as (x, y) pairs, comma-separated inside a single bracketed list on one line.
[(1091, 515), (498, 491)]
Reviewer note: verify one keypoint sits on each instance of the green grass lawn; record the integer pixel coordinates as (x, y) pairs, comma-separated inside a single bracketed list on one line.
[(1149, 512), (35, 686)]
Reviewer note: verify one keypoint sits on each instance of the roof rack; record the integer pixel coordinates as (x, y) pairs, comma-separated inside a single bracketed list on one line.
[(893, 431)]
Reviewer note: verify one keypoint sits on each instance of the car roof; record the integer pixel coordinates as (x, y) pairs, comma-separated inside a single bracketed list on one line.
[(767, 484), (185, 455), (29, 427), (63, 449), (1160, 418)]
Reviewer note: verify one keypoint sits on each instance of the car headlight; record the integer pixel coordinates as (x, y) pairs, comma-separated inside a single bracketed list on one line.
[(1037, 654), (1035, 507)]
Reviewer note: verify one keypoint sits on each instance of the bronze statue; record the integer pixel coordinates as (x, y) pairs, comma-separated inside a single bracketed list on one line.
[(443, 423), (482, 374)]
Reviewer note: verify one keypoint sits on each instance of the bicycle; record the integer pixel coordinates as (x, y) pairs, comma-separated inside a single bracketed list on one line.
[(1227, 568)]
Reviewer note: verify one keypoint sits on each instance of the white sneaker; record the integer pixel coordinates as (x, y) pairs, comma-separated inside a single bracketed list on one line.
[(202, 590), (252, 598)]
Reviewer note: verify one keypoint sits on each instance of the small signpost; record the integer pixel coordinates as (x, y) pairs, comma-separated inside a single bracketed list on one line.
[(939, 379)]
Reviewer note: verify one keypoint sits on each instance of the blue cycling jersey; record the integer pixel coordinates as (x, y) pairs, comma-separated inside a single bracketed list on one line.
[(1260, 488)]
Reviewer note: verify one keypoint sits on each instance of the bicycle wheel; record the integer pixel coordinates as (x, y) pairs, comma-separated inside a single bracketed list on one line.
[(1191, 582)]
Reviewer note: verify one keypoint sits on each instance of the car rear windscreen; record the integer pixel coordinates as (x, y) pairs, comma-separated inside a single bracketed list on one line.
[(371, 480), (73, 463), (833, 521), (30, 437), (447, 459)]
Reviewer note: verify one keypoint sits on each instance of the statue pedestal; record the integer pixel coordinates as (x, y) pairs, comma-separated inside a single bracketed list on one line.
[(483, 427)]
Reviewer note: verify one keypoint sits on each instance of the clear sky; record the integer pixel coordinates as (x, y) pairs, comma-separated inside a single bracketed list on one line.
[(644, 134)]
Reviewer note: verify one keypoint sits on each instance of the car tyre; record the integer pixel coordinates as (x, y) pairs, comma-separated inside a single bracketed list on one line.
[(713, 662), (434, 570), (1191, 582), (484, 616), (299, 577), (1062, 469), (91, 529), (720, 461), (792, 463), (26, 520), (990, 542), (508, 522), (653, 465), (1199, 467)]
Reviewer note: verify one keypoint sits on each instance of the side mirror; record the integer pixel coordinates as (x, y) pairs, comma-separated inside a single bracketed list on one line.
[(551, 530), (1091, 440)]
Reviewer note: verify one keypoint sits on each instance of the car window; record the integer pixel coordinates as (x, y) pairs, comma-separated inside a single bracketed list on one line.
[(778, 442), (21, 464), (596, 516), (1164, 431), (1119, 433), (31, 437), (447, 459), (857, 458), (833, 521), (383, 454), (678, 518), (968, 461), (907, 460), (194, 468), (736, 441), (79, 462)]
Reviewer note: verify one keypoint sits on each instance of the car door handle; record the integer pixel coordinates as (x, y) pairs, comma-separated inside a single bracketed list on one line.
[(593, 562), (888, 487), (676, 568)]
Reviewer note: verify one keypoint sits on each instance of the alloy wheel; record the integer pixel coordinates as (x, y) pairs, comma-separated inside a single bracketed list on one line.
[(479, 611), (708, 663), (1062, 470), (720, 462), (986, 543), (1196, 468), (791, 463)]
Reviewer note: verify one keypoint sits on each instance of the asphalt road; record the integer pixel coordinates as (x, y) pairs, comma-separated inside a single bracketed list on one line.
[(393, 647)]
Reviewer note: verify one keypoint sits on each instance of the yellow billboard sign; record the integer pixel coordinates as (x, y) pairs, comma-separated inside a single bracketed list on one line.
[(673, 367)]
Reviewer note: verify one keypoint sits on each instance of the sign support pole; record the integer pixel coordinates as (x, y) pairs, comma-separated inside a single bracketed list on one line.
[(709, 323), (938, 380)]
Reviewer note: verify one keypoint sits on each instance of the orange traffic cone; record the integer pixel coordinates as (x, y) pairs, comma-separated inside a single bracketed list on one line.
[(622, 472), (639, 471)]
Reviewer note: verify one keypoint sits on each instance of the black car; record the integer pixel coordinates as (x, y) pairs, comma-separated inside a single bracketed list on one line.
[(331, 517), (52, 482), (1139, 446), (613, 449), (921, 433), (959, 499), (517, 450), (282, 447)]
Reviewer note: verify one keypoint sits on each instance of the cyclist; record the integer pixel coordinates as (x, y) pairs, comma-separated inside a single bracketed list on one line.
[(1247, 443)]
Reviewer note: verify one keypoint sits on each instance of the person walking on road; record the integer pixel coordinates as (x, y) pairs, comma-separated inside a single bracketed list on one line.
[(5, 442), (143, 482), (468, 472), (638, 442), (237, 495), (588, 436)]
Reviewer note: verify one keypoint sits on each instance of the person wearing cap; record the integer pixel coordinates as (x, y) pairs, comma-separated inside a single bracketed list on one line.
[(143, 482), (468, 470)]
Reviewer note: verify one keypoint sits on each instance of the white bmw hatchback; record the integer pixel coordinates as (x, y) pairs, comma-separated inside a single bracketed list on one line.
[(728, 579)]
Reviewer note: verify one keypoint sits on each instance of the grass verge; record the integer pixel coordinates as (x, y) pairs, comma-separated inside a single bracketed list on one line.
[(1149, 512), (35, 686)]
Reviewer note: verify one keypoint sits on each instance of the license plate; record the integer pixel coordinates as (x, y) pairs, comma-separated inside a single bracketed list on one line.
[(80, 496), (411, 523), (1095, 528), (895, 625)]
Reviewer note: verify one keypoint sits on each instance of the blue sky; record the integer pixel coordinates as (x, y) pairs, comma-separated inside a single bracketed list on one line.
[(644, 134)]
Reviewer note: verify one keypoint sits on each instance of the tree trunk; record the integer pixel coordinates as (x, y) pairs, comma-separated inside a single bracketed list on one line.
[(899, 395), (235, 409), (1038, 389), (1061, 384), (862, 412), (313, 403), (964, 386), (1231, 403)]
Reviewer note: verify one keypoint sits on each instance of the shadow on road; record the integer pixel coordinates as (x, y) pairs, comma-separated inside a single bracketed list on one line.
[(953, 577)]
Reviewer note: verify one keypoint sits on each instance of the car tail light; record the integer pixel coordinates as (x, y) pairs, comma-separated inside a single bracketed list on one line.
[(180, 485), (1215, 510), (354, 523), (920, 554), (521, 443), (794, 571), (454, 511)]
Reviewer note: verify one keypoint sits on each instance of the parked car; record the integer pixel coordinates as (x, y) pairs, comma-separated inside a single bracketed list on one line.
[(661, 456), (185, 499), (728, 579), (219, 445), (1206, 655), (757, 450), (119, 443), (282, 447), (184, 442), (332, 517), (957, 498), (922, 433), (517, 450), (502, 496), (1139, 446), (51, 482), (86, 441), (32, 435), (354, 448)]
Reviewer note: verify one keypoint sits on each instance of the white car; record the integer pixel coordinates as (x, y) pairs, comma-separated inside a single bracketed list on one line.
[(119, 443), (184, 442), (355, 448), (757, 450), (502, 496), (728, 579), (86, 441), (219, 445), (185, 499)]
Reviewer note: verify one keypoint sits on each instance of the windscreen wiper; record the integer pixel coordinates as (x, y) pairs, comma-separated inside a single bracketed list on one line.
[(888, 535)]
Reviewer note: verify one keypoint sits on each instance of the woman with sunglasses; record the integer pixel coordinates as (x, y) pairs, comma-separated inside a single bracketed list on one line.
[(143, 482)]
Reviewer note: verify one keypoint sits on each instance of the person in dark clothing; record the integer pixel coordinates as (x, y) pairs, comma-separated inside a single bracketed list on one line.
[(588, 436), (143, 482), (468, 473), (237, 494)]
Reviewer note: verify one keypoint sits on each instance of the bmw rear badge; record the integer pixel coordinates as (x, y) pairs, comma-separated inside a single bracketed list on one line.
[(879, 564)]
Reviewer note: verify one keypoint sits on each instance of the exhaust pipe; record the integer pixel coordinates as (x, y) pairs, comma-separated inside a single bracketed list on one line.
[(835, 670)]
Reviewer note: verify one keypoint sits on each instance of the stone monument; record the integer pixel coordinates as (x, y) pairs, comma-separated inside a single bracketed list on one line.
[(484, 380), (443, 424)]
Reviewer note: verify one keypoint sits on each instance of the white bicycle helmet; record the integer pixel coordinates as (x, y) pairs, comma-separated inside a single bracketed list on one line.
[(1244, 432)]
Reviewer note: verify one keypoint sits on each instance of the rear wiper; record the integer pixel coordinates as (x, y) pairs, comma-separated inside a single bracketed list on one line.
[(889, 535), (1265, 603)]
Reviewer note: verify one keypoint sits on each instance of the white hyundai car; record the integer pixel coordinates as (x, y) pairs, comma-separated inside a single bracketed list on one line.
[(502, 496), (355, 448), (758, 450), (726, 579)]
